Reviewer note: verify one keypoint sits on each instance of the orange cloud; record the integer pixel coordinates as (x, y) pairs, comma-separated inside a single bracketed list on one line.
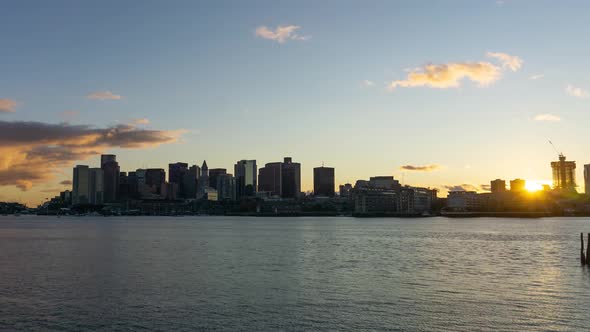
[(7, 105), (31, 152), (449, 75), (103, 95)]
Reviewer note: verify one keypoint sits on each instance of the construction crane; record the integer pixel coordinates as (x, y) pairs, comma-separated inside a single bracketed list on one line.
[(554, 148)]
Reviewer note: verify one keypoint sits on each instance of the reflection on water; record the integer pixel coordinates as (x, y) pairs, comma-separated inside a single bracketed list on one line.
[(293, 274)]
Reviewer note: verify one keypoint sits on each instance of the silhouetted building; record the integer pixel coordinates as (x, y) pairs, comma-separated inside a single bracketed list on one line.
[(96, 186), (203, 182), (564, 174), (269, 178), (155, 178), (345, 190), (226, 187), (323, 181), (124, 187), (111, 170), (176, 174), (291, 179), (517, 185), (245, 176), (190, 181), (498, 186), (213, 174), (81, 185), (587, 179)]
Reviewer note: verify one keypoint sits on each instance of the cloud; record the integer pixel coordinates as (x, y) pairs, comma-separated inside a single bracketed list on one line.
[(66, 182), (461, 187), (508, 61), (142, 121), (442, 76), (367, 83), (281, 34), (576, 92), (536, 77), (450, 75), (485, 187), (547, 117), (32, 152), (103, 95), (7, 105), (423, 168)]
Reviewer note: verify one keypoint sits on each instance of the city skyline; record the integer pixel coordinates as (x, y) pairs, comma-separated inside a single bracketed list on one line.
[(455, 101)]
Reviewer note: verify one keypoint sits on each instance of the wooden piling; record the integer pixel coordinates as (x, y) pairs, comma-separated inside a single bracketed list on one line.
[(582, 256), (588, 251)]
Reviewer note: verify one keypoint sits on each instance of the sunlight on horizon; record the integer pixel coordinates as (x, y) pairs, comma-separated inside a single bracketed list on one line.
[(536, 185)]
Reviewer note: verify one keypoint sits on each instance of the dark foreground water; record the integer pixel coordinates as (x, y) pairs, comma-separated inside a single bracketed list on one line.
[(222, 273)]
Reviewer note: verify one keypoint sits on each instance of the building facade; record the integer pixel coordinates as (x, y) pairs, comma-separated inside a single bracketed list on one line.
[(323, 181), (564, 174), (246, 178)]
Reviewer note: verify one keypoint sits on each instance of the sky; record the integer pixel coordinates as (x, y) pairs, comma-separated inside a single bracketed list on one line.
[(444, 94)]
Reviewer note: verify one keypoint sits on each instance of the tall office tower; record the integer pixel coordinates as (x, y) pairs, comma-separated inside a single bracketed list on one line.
[(133, 187), (176, 174), (245, 175), (189, 182), (291, 179), (498, 186), (226, 187), (81, 185), (124, 187), (111, 170), (517, 185), (213, 174), (155, 178), (203, 182), (564, 174), (323, 181), (587, 179), (269, 178), (96, 186)]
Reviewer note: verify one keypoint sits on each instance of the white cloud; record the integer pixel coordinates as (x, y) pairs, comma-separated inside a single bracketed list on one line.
[(7, 105), (547, 117), (142, 121), (508, 61), (537, 77), (576, 92), (368, 83), (281, 33), (103, 95)]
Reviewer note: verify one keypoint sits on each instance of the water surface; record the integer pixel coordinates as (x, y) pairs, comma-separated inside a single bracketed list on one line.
[(240, 273)]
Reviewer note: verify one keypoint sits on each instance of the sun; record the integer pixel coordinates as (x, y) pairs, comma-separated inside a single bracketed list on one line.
[(536, 185)]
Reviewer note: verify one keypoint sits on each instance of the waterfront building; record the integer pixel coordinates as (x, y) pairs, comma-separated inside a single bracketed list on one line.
[(517, 185), (564, 174), (498, 186), (226, 187), (80, 185), (96, 186), (111, 170), (246, 178), (290, 179), (213, 174), (323, 181), (345, 191), (269, 179), (463, 201)]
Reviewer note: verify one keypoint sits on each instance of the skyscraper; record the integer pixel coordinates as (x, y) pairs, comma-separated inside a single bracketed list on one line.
[(564, 174), (323, 181), (155, 178), (189, 185), (203, 182), (497, 186), (111, 170), (81, 185), (176, 173), (291, 179), (245, 176), (587, 179), (269, 178), (96, 186), (213, 174), (226, 187)]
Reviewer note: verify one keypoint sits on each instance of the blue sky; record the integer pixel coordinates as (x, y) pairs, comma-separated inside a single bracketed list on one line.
[(200, 67)]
